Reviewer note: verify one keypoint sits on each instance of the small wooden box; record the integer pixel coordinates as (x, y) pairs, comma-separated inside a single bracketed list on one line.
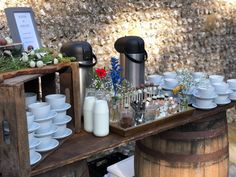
[(14, 154)]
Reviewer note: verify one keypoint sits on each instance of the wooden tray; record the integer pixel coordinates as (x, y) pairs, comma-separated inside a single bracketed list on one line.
[(114, 127)]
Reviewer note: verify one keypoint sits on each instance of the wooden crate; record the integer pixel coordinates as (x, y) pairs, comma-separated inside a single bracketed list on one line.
[(14, 155)]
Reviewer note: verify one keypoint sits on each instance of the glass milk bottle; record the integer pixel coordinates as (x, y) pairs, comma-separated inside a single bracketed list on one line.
[(89, 102), (101, 115)]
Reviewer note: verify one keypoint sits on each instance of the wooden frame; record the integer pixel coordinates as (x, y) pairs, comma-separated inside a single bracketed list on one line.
[(17, 35)]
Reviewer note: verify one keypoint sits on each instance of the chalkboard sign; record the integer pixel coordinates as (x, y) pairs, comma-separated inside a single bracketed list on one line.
[(23, 27)]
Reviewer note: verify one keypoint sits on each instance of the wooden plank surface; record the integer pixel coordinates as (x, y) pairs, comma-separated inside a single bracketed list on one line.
[(82, 145), (44, 70)]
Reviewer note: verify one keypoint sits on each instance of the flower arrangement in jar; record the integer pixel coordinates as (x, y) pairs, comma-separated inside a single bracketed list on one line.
[(185, 88)]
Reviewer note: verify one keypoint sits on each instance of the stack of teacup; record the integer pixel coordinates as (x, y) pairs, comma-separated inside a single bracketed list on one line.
[(169, 82), (43, 116), (204, 97), (232, 86), (32, 126), (221, 88), (33, 142), (59, 105)]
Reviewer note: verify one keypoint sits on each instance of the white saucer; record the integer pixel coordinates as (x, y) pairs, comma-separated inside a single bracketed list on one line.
[(232, 98), (223, 103), (204, 98), (52, 130), (53, 144), (226, 93), (66, 107), (51, 115), (164, 87), (35, 126), (66, 133), (205, 108), (37, 157), (65, 121), (34, 143), (234, 89)]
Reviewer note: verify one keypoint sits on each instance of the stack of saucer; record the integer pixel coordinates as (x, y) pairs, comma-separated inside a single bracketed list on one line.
[(222, 90), (58, 104), (232, 86), (204, 98), (33, 142), (43, 116)]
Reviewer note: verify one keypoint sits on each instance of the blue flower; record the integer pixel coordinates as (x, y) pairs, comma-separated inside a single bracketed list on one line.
[(115, 74)]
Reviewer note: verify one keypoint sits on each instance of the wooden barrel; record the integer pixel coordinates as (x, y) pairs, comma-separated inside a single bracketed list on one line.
[(198, 149)]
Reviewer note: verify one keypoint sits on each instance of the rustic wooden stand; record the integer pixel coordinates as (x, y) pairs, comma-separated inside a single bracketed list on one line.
[(14, 155), (70, 158)]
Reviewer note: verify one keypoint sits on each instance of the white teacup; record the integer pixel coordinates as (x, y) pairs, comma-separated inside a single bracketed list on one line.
[(205, 92), (44, 141), (60, 117), (170, 83), (31, 138), (32, 154), (156, 79), (216, 78), (220, 87), (56, 101), (170, 74), (45, 126), (40, 110), (232, 83), (198, 75), (232, 95), (30, 98), (60, 130), (203, 102), (221, 98), (30, 119)]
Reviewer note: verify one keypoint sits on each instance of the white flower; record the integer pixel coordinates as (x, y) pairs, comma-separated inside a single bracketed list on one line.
[(9, 40), (60, 55), (55, 61), (32, 52), (39, 64), (38, 56), (8, 52), (32, 64), (25, 57)]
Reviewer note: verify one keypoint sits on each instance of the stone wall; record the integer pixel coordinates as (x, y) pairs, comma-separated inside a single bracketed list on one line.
[(198, 34)]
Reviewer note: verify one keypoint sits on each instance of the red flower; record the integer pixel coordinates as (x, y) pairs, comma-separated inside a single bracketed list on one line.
[(101, 73)]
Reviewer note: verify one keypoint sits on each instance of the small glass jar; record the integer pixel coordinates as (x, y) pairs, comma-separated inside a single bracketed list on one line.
[(126, 118), (114, 106), (101, 115), (183, 102)]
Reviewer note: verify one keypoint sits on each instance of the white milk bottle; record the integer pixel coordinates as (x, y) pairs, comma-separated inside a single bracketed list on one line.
[(89, 102), (101, 115)]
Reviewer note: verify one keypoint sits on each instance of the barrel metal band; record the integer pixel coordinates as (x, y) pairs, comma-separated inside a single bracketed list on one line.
[(195, 158), (174, 135)]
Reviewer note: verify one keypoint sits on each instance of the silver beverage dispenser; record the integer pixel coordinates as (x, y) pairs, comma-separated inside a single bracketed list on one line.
[(132, 58), (83, 53)]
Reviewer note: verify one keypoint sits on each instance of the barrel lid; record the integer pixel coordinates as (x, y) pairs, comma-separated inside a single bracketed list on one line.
[(130, 45)]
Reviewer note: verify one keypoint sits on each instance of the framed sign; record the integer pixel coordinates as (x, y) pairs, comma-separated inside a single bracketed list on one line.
[(23, 27)]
